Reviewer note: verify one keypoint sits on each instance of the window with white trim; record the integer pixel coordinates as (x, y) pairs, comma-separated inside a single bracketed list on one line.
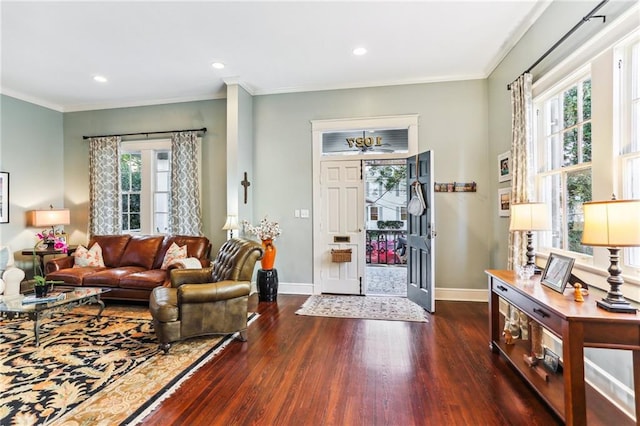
[(373, 213), (145, 183), (628, 62), (563, 154)]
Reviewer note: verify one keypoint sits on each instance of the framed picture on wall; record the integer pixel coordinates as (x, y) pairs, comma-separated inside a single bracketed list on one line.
[(504, 202), (4, 197), (504, 167)]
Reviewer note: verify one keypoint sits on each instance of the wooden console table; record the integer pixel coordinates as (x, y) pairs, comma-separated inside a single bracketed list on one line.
[(579, 325)]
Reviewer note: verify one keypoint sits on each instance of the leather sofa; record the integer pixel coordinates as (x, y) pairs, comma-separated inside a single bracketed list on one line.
[(207, 301), (132, 264)]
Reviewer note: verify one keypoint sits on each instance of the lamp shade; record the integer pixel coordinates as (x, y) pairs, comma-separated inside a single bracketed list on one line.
[(231, 223), (530, 217), (46, 218), (614, 223)]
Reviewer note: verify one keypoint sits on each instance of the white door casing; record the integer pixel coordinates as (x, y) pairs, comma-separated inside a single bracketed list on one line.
[(321, 252)]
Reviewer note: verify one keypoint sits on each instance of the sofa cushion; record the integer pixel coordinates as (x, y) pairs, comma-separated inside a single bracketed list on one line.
[(91, 257), (73, 276), (109, 277), (196, 247), (141, 251), (112, 247), (145, 279), (173, 254)]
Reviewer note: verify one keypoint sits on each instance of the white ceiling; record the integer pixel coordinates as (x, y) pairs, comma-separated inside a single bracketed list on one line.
[(161, 52)]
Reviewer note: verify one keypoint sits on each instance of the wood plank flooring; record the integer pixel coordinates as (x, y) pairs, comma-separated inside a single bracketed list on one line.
[(299, 370)]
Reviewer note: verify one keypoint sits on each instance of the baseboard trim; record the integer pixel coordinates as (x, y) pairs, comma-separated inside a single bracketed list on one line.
[(462, 295)]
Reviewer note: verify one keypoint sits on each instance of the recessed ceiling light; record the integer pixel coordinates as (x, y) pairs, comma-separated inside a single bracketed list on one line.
[(218, 65), (359, 51), (100, 78)]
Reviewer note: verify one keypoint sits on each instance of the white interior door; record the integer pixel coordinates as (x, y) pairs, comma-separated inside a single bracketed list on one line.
[(342, 225)]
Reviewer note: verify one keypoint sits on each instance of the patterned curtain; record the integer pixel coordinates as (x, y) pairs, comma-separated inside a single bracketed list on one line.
[(184, 203), (516, 321), (104, 186), (521, 186)]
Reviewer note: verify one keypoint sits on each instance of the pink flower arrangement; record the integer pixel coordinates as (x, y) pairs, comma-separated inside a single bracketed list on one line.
[(48, 237)]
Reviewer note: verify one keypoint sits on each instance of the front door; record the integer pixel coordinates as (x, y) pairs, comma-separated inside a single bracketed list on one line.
[(420, 235), (342, 224)]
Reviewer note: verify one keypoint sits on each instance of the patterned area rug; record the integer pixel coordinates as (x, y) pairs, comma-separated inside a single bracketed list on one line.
[(363, 307), (103, 372)]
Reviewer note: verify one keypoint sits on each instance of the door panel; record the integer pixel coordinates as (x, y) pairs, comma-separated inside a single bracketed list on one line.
[(342, 193), (420, 235)]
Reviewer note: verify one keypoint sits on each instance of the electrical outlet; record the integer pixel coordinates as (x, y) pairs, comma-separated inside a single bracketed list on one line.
[(296, 213)]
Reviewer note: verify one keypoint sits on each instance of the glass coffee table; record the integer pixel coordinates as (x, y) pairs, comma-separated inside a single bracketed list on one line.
[(25, 305)]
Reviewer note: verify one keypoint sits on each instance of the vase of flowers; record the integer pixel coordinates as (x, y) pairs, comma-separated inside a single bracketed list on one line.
[(41, 285), (267, 232)]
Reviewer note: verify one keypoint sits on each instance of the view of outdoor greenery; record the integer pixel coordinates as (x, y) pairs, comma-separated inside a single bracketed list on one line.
[(577, 149), (131, 186)]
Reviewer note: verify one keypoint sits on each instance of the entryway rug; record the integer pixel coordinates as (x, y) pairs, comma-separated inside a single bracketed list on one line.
[(363, 307), (86, 371)]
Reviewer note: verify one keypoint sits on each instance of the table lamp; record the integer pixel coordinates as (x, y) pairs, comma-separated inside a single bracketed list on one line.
[(231, 224), (530, 217), (612, 224), (45, 218)]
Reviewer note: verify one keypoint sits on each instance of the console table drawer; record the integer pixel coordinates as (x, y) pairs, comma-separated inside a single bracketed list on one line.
[(534, 310)]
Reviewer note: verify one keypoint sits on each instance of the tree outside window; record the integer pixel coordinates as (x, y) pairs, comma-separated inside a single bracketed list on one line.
[(564, 154)]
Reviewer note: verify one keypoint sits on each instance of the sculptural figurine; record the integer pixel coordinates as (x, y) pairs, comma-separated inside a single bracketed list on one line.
[(577, 293)]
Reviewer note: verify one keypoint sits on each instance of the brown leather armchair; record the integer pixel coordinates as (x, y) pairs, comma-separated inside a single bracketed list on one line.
[(206, 301)]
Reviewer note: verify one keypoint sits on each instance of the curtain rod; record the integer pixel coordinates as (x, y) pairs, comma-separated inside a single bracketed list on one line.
[(204, 129), (567, 35)]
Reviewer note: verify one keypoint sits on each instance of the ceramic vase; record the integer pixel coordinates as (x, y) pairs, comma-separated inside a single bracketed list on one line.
[(269, 256)]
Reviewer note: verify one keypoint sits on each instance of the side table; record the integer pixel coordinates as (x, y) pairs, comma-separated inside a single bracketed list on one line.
[(267, 285), (41, 253)]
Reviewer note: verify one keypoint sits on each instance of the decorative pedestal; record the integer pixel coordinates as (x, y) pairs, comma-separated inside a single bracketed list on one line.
[(267, 285)]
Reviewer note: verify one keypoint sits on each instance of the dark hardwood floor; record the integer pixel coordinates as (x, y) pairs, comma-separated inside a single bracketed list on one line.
[(300, 370)]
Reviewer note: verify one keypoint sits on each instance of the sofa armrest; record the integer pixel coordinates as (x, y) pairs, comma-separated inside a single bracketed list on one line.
[(189, 276), (213, 292), (59, 263)]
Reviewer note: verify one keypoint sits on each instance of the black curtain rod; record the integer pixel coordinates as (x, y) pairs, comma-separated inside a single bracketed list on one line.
[(204, 129), (567, 35)]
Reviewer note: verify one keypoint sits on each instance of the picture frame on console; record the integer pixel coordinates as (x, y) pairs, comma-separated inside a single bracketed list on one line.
[(4, 197), (557, 272)]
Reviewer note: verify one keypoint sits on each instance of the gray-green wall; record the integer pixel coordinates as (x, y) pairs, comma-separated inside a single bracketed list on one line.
[(188, 115), (452, 123), (31, 150)]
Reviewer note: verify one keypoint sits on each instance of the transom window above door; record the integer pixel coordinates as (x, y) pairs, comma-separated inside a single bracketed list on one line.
[(358, 142)]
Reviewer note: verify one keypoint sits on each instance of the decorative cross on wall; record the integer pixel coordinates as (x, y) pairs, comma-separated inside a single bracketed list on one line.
[(246, 185)]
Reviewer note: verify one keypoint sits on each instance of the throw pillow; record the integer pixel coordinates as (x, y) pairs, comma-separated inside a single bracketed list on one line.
[(4, 259), (174, 253), (91, 257)]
